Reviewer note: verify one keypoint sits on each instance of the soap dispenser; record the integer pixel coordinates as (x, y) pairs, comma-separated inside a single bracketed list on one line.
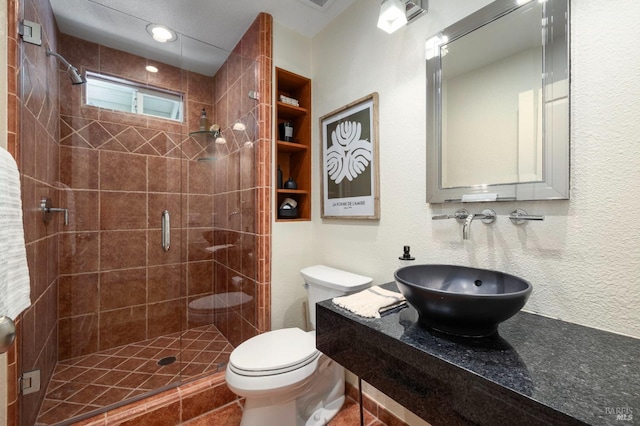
[(406, 259)]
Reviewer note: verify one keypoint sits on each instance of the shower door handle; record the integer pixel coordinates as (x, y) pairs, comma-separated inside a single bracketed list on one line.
[(7, 333), (166, 231)]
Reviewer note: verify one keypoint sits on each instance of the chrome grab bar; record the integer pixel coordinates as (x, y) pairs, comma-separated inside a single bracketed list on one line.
[(7, 333), (166, 231), (45, 206)]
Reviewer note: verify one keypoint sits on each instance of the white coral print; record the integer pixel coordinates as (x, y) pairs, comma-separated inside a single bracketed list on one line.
[(348, 155)]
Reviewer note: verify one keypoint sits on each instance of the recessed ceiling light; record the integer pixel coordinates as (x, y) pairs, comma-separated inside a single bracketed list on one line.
[(161, 33), (151, 68)]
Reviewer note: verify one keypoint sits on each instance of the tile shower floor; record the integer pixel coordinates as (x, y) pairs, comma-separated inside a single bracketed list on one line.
[(91, 382)]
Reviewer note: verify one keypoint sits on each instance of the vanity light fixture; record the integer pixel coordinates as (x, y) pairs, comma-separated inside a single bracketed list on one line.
[(161, 33), (394, 14)]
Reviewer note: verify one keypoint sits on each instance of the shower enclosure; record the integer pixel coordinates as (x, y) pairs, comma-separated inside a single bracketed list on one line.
[(117, 313)]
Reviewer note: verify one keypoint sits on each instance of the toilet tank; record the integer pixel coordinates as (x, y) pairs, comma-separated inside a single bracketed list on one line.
[(323, 282)]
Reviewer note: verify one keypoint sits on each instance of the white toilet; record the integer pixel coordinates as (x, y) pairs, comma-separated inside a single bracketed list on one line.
[(285, 380)]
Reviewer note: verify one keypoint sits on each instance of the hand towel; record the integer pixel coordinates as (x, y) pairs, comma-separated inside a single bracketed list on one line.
[(369, 303), (14, 272)]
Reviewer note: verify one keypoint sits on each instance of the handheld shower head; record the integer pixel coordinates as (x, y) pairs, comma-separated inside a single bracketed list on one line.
[(74, 74)]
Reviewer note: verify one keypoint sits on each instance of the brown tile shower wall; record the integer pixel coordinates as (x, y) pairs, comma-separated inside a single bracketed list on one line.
[(33, 130), (13, 126), (260, 38), (79, 286), (120, 171), (242, 161)]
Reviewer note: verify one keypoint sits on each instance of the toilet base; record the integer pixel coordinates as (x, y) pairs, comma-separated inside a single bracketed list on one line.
[(323, 415), (259, 413), (312, 402)]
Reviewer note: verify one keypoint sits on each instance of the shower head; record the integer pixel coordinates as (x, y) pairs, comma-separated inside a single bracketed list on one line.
[(74, 74)]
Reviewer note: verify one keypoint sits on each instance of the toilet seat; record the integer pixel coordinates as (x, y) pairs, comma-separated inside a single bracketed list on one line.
[(274, 352)]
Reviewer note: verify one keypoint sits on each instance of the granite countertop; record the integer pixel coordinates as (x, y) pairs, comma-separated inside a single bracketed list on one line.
[(535, 370)]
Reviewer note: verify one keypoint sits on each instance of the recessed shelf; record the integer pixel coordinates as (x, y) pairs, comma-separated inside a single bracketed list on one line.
[(291, 147), (294, 158), (293, 191), (290, 111), (208, 133), (298, 219)]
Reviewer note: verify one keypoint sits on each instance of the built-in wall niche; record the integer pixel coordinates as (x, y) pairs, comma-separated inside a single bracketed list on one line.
[(293, 144)]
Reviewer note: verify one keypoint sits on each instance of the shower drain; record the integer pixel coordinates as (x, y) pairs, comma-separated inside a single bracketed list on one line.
[(167, 360)]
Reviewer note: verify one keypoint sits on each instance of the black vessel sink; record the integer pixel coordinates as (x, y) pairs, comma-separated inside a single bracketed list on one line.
[(461, 300)]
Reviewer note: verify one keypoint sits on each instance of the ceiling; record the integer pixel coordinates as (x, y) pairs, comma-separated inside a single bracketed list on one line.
[(207, 29)]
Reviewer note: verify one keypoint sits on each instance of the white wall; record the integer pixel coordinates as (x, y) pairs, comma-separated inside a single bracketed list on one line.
[(583, 259), (292, 242)]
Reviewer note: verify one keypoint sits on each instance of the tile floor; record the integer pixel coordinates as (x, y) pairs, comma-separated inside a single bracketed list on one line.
[(89, 383)]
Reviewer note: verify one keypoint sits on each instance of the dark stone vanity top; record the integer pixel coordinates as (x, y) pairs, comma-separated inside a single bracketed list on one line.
[(535, 370)]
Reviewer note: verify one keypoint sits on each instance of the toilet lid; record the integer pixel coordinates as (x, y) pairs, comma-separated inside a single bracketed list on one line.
[(274, 352)]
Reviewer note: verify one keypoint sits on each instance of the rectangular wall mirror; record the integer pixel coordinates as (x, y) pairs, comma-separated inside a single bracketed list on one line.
[(498, 104)]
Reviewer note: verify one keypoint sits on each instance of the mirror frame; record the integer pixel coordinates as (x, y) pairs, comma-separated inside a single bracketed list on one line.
[(556, 140)]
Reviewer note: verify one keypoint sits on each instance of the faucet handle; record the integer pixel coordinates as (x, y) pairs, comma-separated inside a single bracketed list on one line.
[(442, 216), (45, 206), (487, 216), (520, 216), (460, 215)]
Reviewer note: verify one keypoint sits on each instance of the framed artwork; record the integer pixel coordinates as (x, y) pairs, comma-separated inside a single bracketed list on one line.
[(350, 177)]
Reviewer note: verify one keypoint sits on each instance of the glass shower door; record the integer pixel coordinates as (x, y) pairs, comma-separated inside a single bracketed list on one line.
[(120, 296), (116, 316)]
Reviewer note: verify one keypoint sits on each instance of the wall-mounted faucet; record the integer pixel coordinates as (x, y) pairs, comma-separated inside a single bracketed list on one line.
[(517, 217), (487, 216)]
